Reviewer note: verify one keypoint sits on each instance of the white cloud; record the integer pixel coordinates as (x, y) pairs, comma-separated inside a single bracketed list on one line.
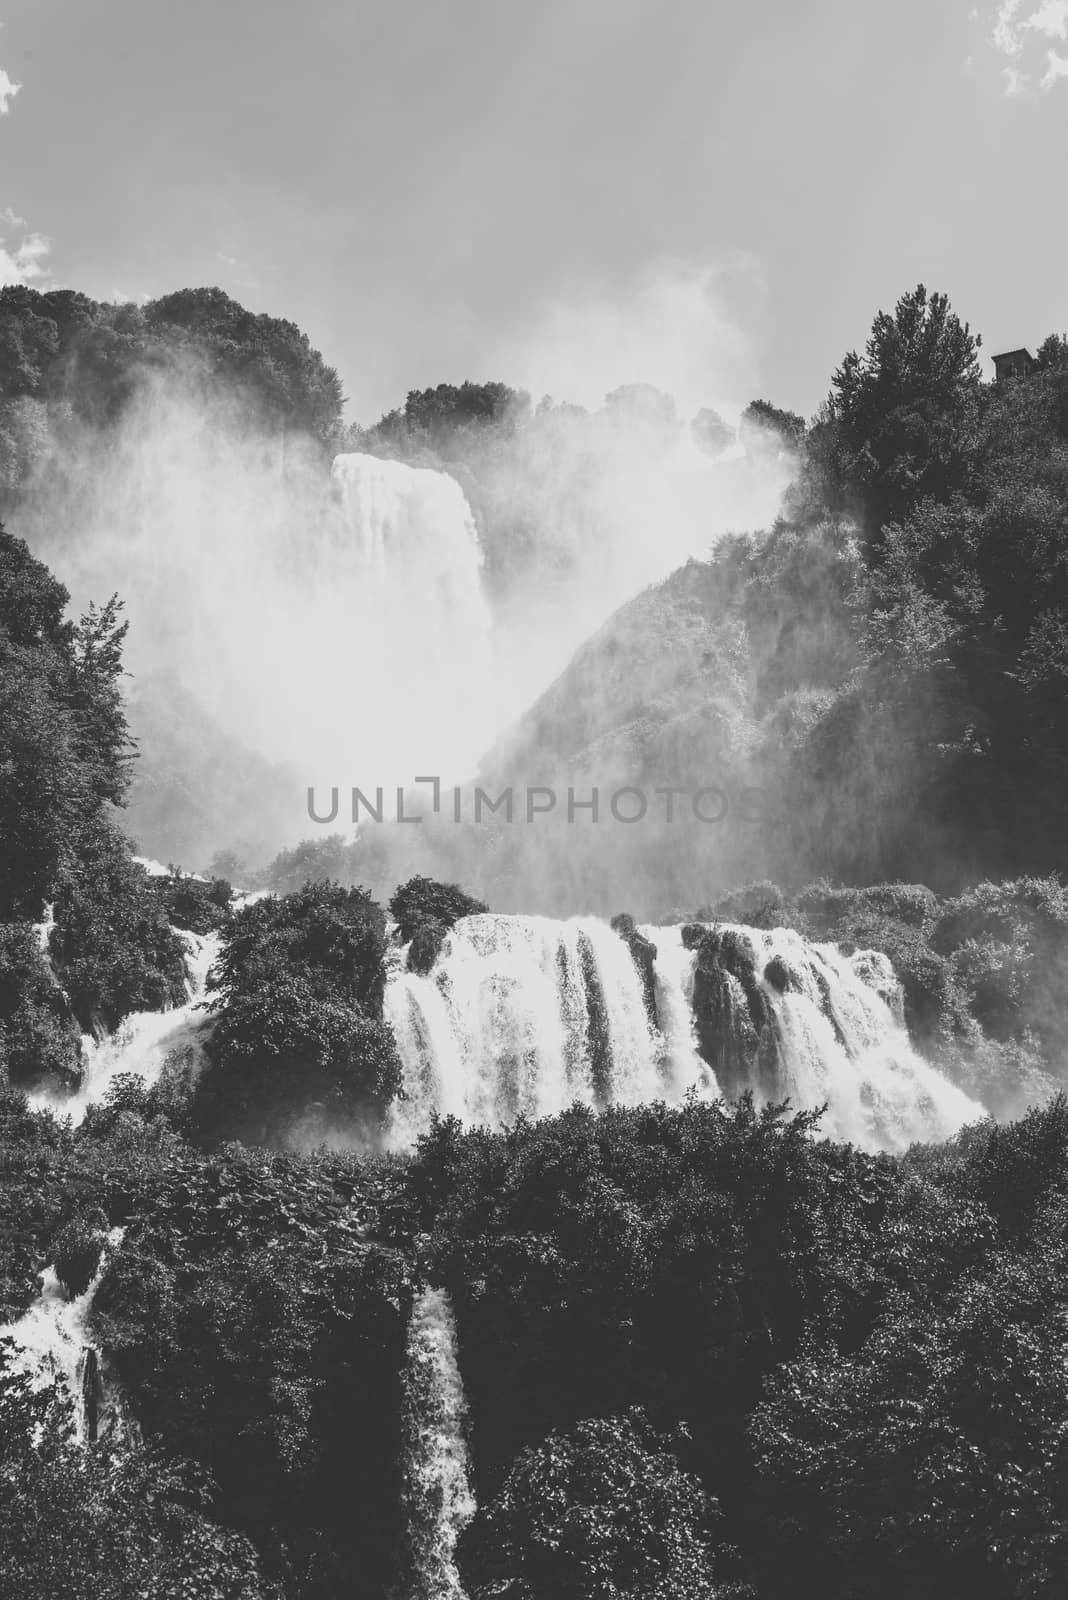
[(1012, 33), (1011, 36), (1057, 67), (8, 91), (1051, 19), (25, 261), (1006, 28)]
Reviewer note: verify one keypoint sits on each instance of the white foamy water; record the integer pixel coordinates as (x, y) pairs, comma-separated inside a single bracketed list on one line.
[(527, 1015), (673, 974), (843, 1042), (43, 930), (438, 1495), (143, 1041), (408, 557), (52, 1340)]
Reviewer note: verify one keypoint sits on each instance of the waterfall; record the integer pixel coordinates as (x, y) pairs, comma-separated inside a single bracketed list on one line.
[(438, 1494), (843, 1042), (525, 1015), (674, 976), (407, 557), (143, 1041), (43, 930), (52, 1346)]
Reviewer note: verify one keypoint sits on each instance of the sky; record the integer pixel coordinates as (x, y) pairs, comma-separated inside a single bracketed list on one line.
[(566, 194)]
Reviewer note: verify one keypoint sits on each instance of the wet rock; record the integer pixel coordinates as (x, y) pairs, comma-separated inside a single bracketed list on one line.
[(643, 953), (737, 1029), (427, 940), (782, 976)]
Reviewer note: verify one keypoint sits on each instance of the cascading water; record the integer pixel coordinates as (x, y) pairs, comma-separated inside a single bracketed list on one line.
[(843, 1043), (52, 1346), (438, 1495), (143, 1041), (408, 558), (673, 975), (527, 1015)]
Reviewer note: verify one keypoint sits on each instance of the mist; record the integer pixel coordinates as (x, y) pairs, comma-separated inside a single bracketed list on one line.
[(361, 622)]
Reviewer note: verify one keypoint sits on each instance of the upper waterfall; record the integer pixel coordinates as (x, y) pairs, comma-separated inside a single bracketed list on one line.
[(407, 556), (526, 1015)]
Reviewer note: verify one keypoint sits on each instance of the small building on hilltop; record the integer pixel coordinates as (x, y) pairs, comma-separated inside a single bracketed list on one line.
[(1014, 364)]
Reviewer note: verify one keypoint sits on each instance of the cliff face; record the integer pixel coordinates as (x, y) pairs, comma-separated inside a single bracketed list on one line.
[(660, 691)]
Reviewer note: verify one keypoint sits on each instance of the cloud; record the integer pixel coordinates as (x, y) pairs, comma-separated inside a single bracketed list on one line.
[(1013, 32), (8, 91), (25, 261), (1057, 67), (1006, 34), (1051, 19)]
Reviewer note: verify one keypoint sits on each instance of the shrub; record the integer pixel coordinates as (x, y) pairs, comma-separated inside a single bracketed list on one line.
[(424, 911), (191, 903), (39, 1038), (77, 1251), (113, 948), (603, 1512)]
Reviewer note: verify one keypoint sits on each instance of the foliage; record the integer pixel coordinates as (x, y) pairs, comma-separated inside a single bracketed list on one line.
[(115, 1524), (424, 912), (653, 1257), (906, 412), (63, 741), (298, 999), (190, 902), (787, 426), (113, 947), (65, 358), (39, 1039), (260, 1335), (603, 1512), (78, 1249)]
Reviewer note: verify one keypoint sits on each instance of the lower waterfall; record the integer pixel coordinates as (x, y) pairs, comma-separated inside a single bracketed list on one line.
[(438, 1494), (143, 1041), (526, 1015), (52, 1345)]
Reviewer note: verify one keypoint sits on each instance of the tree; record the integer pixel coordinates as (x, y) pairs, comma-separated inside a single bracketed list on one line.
[(298, 1004), (761, 417), (604, 1512), (906, 411)]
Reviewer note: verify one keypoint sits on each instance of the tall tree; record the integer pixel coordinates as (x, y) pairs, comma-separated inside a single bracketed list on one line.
[(906, 411)]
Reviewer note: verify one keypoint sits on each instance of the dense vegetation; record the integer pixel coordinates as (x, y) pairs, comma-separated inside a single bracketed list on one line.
[(64, 768), (299, 1041), (68, 363), (704, 1353)]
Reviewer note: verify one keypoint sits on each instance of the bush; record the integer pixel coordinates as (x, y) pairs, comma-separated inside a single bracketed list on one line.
[(193, 904), (604, 1512), (112, 1523), (77, 1250), (113, 948), (39, 1038), (424, 911), (299, 1034)]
